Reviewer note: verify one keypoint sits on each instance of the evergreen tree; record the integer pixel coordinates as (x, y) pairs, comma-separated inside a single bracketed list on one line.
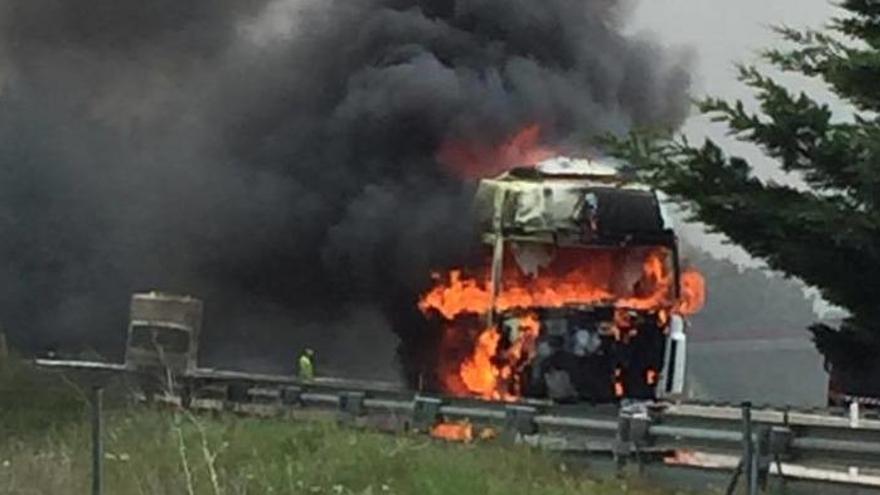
[(827, 233)]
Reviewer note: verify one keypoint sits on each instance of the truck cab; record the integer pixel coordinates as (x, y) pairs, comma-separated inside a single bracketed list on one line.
[(596, 257)]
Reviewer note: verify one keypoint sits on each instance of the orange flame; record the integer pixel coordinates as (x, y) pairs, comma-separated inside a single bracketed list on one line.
[(472, 160), (651, 376), (600, 278), (478, 373), (455, 432), (485, 373), (627, 278), (693, 293), (619, 390)]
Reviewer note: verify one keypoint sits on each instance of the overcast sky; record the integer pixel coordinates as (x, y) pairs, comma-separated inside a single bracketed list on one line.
[(722, 33)]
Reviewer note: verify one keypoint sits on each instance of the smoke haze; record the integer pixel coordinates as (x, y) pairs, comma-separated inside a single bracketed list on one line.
[(277, 158)]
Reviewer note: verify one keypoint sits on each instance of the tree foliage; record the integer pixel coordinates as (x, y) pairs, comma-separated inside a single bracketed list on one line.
[(827, 230)]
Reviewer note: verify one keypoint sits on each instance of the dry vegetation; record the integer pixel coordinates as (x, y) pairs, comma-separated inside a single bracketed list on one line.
[(45, 450)]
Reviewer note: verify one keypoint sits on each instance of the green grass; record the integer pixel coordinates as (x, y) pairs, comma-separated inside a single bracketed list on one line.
[(35, 403), (44, 449)]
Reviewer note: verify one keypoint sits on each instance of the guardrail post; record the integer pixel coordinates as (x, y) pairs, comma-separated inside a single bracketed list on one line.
[(750, 457), (622, 446), (351, 406), (426, 413), (97, 440), (187, 393), (748, 463), (763, 457), (780, 443), (519, 420), (291, 396), (237, 393), (4, 348), (633, 433), (854, 423)]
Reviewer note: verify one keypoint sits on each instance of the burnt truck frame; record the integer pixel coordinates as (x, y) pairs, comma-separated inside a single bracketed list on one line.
[(162, 352), (577, 204), (163, 339)]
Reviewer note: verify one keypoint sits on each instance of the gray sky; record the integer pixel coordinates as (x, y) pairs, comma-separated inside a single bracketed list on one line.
[(721, 33)]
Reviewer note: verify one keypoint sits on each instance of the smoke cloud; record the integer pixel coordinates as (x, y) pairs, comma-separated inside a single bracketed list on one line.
[(278, 158)]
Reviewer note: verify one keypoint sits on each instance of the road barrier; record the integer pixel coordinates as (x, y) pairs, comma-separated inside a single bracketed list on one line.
[(753, 443)]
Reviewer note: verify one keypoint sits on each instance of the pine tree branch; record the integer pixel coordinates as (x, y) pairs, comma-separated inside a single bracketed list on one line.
[(828, 236), (787, 228), (799, 133)]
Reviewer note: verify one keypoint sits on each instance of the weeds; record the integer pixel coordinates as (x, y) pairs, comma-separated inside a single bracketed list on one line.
[(158, 452)]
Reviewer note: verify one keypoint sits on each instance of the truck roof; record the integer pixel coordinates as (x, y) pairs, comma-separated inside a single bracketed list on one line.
[(583, 201)]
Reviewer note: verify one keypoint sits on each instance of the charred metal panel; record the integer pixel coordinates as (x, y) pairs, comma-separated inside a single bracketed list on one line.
[(531, 217), (163, 335), (571, 210)]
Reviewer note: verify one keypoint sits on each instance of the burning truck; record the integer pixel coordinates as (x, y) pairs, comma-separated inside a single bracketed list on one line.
[(581, 296)]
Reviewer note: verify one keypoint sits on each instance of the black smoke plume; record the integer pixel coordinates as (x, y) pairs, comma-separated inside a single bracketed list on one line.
[(277, 158)]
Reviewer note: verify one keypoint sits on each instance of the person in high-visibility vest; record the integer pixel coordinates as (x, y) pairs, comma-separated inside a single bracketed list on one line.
[(306, 365)]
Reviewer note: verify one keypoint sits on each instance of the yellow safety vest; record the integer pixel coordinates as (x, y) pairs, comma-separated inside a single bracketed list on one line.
[(306, 369)]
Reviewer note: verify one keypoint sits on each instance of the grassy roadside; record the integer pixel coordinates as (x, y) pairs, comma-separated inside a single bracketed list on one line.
[(44, 449)]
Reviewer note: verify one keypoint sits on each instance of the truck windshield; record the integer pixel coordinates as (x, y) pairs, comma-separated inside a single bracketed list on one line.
[(169, 339)]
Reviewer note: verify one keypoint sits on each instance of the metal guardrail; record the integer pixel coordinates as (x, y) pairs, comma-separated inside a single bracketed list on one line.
[(764, 440), (808, 448)]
